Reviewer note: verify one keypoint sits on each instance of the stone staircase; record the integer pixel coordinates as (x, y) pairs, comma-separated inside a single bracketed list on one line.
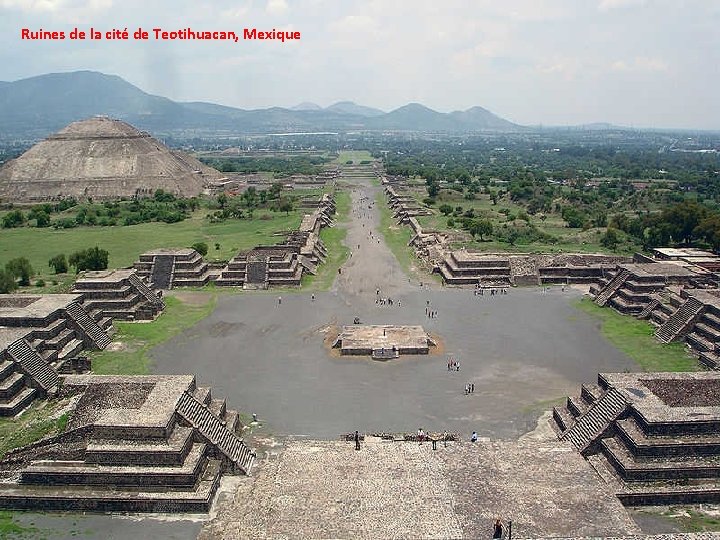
[(145, 291), (44, 376), (611, 288), (256, 273), (595, 420), (215, 430), (162, 271), (680, 321), (89, 325), (648, 309)]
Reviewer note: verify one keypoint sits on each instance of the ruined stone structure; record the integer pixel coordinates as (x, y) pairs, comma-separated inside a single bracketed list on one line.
[(168, 268), (383, 342), (285, 263), (118, 294), (132, 444), (655, 437), (39, 337), (462, 267), (679, 297), (100, 158)]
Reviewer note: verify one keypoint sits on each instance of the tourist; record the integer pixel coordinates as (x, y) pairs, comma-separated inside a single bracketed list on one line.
[(434, 442), (467, 389), (472, 388), (357, 440), (420, 435), (279, 300), (445, 437), (457, 366), (474, 437), (498, 529), (312, 297)]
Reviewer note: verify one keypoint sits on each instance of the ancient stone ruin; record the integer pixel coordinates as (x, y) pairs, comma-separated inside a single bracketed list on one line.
[(654, 437), (284, 263), (98, 159), (132, 444), (118, 294), (167, 268), (383, 342), (463, 267), (680, 297), (41, 336)]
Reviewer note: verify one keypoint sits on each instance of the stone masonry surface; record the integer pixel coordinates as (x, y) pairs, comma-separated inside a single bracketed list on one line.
[(323, 489)]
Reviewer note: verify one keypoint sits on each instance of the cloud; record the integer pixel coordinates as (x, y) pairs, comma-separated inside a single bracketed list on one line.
[(640, 64), (276, 7), (606, 5)]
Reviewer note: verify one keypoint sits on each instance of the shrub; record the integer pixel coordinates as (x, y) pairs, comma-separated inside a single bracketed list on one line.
[(59, 264), (200, 247)]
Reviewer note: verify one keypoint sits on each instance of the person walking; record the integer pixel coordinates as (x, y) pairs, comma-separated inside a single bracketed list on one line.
[(498, 529), (279, 300), (474, 437), (357, 440)]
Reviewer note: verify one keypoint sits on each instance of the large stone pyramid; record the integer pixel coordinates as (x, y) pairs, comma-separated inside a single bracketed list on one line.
[(101, 158)]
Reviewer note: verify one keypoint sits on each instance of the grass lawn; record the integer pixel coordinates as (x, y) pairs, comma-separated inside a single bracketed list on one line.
[(356, 156), (635, 338), (135, 339), (125, 244), (40, 420), (397, 238), (338, 252)]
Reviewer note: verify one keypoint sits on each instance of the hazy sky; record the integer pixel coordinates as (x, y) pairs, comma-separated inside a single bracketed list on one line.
[(632, 62)]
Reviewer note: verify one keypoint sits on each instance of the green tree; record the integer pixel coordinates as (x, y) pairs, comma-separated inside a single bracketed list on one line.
[(59, 264), (89, 259), (481, 228), (14, 218), (286, 206), (7, 282), (610, 239), (201, 248), (21, 269), (445, 209)]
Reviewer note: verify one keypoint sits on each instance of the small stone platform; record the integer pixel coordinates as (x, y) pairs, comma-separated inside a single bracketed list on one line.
[(132, 444), (383, 342), (654, 436)]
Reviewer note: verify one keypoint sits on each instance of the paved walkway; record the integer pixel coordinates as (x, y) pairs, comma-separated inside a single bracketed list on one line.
[(325, 489)]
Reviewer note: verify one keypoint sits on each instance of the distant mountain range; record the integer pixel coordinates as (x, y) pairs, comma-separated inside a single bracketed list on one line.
[(37, 106)]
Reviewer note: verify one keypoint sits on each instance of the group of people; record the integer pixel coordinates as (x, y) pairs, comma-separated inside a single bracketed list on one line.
[(479, 291), (453, 365), (469, 388)]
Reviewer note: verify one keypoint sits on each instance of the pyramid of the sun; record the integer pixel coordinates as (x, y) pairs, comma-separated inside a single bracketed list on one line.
[(101, 158)]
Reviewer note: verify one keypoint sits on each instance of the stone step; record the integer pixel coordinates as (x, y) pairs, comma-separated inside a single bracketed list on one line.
[(82, 473), (11, 385), (642, 445), (19, 401), (172, 451), (71, 349), (695, 492), (632, 469), (699, 342), (60, 340), (6, 368), (198, 499)]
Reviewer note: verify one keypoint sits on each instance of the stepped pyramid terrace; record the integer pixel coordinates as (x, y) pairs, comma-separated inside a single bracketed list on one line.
[(132, 444), (654, 437), (168, 268), (118, 294), (100, 159), (41, 336)]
